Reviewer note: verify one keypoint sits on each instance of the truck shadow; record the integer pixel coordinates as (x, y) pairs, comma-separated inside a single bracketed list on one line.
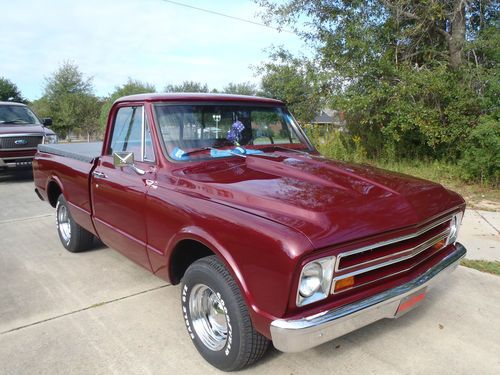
[(17, 175), (349, 345), (96, 245)]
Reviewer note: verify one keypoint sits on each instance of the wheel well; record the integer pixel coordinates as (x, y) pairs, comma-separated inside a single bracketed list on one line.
[(53, 192), (185, 253)]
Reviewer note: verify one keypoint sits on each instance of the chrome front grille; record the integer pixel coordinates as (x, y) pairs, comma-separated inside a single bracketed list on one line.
[(20, 142), (370, 264)]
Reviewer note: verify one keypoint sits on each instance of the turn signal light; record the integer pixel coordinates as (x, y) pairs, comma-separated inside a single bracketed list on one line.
[(439, 245), (344, 283)]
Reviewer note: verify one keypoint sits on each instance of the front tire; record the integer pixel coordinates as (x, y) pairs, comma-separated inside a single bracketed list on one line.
[(73, 237), (217, 318)]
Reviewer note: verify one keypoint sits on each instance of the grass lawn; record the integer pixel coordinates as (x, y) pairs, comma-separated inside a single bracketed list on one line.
[(482, 265), (476, 195)]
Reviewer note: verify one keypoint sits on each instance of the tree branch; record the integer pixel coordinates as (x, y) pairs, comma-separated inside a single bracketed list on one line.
[(412, 16)]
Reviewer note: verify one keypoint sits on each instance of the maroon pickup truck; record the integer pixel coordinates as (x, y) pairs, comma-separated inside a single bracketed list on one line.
[(269, 240), (21, 131)]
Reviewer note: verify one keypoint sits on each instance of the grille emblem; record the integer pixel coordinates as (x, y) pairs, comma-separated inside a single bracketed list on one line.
[(20, 141)]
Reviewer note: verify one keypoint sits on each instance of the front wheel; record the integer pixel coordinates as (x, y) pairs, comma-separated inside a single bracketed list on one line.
[(73, 237), (217, 318)]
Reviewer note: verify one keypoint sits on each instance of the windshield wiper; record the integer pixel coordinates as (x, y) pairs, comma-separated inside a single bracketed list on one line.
[(197, 151), (211, 148), (292, 149), (16, 121)]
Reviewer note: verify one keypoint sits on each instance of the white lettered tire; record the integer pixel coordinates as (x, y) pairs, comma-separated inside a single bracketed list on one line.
[(217, 318), (73, 237)]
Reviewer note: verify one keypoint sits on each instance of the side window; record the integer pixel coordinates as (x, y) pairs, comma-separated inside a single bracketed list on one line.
[(128, 134), (127, 131)]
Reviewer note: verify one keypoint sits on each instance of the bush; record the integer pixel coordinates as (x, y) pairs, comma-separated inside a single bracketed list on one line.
[(413, 114), (337, 145), (481, 157)]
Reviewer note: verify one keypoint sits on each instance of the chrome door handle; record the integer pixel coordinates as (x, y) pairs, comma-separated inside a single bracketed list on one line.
[(98, 174)]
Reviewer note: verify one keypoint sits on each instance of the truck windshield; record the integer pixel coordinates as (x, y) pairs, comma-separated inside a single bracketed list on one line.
[(193, 132), (17, 114)]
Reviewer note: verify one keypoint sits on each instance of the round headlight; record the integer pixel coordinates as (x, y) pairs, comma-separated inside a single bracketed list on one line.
[(311, 279)]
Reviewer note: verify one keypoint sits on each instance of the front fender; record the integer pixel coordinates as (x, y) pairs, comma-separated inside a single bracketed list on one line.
[(260, 254)]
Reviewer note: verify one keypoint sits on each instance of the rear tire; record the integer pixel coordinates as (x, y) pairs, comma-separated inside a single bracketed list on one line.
[(73, 237), (217, 318)]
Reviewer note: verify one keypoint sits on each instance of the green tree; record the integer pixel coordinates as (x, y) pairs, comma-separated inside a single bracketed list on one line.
[(87, 107), (295, 81), (482, 152), (243, 88), (131, 87), (187, 86), (414, 78), (68, 98), (10, 92)]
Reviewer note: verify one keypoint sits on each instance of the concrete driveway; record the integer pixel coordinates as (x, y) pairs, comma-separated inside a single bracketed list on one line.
[(99, 313)]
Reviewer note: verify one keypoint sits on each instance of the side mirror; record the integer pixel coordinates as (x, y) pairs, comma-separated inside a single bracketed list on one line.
[(47, 122), (126, 159)]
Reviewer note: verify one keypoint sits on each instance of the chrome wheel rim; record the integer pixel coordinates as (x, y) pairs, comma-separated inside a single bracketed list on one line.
[(64, 223), (208, 316)]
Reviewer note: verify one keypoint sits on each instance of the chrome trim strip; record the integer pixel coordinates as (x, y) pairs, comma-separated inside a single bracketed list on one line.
[(17, 158), (414, 251), (308, 332), (332, 290), (22, 135), (18, 149), (143, 134), (391, 241)]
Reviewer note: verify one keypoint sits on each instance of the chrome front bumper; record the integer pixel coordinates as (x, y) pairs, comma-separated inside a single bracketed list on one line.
[(308, 332)]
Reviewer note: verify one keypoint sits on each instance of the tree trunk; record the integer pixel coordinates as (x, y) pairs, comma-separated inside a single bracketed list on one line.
[(457, 40)]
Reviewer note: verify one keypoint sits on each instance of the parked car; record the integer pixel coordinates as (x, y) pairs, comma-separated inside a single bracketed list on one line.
[(21, 131), (269, 241)]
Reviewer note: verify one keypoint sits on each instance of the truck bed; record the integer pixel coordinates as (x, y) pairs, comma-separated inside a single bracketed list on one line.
[(71, 165), (85, 152)]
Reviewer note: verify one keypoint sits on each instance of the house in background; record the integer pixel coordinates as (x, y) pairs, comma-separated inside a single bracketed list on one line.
[(330, 119)]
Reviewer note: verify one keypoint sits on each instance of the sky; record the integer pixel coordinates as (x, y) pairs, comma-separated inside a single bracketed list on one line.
[(149, 40)]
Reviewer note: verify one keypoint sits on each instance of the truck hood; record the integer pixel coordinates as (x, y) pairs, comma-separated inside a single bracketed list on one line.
[(330, 202), (24, 129)]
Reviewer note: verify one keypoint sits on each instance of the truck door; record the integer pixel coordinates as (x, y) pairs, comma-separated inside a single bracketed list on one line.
[(119, 193)]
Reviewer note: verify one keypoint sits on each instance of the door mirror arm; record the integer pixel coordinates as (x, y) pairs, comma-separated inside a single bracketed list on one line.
[(137, 170), (126, 159)]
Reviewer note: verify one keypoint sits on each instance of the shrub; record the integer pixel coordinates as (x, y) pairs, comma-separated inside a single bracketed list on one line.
[(414, 114), (337, 145), (481, 156)]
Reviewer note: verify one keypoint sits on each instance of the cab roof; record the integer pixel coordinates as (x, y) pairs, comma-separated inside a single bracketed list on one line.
[(198, 97)]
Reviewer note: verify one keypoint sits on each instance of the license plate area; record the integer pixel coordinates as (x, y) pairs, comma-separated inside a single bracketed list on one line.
[(410, 302)]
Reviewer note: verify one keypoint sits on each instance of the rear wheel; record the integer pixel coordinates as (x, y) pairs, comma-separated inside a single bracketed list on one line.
[(73, 237), (217, 318)]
